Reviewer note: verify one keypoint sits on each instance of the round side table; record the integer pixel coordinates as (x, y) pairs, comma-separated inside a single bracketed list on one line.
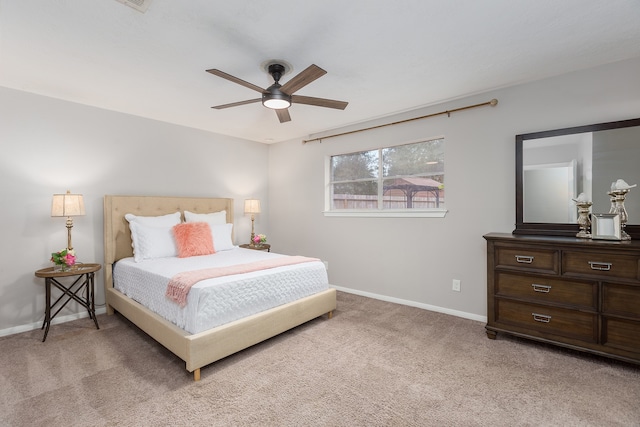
[(262, 247), (84, 280)]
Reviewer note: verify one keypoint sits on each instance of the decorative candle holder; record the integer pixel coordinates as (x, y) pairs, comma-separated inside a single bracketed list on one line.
[(617, 207), (583, 219)]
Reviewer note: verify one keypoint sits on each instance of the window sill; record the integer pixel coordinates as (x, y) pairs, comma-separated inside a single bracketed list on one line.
[(431, 213)]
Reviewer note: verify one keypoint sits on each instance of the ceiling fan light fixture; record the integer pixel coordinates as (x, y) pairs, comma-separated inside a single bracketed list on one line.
[(279, 97), (276, 104), (275, 99)]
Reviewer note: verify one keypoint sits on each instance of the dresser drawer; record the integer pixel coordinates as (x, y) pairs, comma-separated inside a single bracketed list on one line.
[(547, 290), (541, 260), (621, 334), (621, 300), (548, 320), (603, 264)]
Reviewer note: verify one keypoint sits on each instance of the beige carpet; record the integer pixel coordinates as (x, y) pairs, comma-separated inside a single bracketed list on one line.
[(374, 364)]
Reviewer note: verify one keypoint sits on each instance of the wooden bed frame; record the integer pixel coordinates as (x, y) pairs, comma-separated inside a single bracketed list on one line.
[(203, 348)]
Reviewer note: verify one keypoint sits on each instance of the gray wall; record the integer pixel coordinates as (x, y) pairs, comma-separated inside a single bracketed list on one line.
[(50, 146), (413, 260)]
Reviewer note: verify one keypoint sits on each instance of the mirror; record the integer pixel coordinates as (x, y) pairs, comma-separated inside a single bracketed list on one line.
[(553, 167)]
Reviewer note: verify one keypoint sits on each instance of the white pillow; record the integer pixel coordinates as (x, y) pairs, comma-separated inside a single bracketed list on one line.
[(151, 236), (222, 237), (157, 221), (214, 218), (151, 242)]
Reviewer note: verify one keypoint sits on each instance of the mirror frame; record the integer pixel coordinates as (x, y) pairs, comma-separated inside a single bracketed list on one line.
[(558, 229)]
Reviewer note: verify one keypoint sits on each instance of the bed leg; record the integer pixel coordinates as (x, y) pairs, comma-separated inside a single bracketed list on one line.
[(330, 314), (196, 375)]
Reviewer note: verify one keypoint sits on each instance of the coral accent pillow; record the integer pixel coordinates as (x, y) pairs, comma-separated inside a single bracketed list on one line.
[(193, 239)]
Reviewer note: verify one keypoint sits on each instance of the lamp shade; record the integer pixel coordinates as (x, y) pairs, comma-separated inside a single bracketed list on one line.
[(67, 205), (252, 206)]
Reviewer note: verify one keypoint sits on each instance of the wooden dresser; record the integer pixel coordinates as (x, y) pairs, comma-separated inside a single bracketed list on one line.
[(578, 293)]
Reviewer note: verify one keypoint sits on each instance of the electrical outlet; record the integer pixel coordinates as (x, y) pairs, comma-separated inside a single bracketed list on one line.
[(456, 285)]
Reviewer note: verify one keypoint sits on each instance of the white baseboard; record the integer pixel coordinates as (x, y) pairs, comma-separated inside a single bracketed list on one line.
[(102, 310), (429, 307), (55, 321)]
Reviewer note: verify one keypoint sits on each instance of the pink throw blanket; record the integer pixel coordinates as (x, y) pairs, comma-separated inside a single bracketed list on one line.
[(181, 283)]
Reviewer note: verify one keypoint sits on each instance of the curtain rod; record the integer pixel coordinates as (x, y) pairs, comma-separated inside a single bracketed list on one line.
[(493, 103)]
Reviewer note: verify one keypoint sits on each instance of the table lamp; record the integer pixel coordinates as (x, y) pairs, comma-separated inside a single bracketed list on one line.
[(252, 206), (68, 205)]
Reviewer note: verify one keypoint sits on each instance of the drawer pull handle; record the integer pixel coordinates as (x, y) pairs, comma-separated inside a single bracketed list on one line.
[(541, 288), (541, 317), (601, 266), (525, 259)]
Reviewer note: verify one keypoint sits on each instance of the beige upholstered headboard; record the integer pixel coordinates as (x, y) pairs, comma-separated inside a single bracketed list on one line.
[(117, 237)]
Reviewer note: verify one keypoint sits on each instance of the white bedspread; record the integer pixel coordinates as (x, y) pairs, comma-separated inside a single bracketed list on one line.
[(214, 302)]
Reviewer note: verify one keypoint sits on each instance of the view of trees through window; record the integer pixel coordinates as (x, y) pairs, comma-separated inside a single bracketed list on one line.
[(409, 176)]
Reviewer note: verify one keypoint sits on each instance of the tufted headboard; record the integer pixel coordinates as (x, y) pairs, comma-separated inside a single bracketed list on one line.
[(117, 237)]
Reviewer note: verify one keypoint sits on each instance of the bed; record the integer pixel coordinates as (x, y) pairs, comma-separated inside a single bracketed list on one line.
[(201, 348)]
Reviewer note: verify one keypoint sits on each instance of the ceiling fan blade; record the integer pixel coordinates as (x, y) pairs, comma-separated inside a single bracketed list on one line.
[(283, 115), (311, 73), (235, 104), (234, 79), (319, 102)]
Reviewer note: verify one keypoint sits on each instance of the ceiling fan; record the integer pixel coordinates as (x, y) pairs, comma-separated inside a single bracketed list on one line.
[(280, 97)]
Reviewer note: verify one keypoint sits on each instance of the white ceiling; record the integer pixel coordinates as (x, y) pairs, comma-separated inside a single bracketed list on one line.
[(382, 57)]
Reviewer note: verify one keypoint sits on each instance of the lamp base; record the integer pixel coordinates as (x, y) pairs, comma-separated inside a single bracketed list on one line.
[(253, 234), (69, 227)]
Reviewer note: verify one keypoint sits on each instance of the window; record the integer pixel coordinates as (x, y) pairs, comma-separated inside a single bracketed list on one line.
[(404, 180)]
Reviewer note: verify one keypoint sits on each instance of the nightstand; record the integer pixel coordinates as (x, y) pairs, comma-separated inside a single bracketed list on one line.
[(262, 247), (84, 280)]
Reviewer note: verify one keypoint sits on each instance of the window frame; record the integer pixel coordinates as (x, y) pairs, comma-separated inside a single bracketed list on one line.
[(379, 212)]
